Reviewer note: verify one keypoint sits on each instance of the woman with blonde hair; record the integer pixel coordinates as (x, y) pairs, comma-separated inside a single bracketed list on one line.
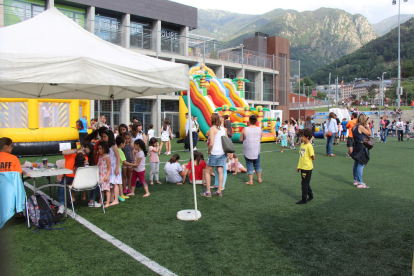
[(360, 152)]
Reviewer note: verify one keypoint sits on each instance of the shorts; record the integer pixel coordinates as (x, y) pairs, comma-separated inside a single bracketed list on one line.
[(343, 133), (217, 160), (350, 142), (126, 167), (140, 176), (197, 182)]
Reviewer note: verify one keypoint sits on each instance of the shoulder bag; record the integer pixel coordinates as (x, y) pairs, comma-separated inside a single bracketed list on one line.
[(227, 144), (368, 142), (329, 133)]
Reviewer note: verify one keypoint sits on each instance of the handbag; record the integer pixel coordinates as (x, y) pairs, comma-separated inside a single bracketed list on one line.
[(368, 142), (329, 134), (227, 144)]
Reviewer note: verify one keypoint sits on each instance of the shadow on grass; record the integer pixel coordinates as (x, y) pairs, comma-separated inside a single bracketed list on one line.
[(346, 236)]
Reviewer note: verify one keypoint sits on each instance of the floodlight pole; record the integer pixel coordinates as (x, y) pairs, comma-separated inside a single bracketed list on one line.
[(299, 88), (399, 55), (329, 88), (192, 153)]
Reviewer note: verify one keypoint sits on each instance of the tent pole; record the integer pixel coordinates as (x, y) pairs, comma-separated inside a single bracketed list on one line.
[(112, 115), (192, 153)]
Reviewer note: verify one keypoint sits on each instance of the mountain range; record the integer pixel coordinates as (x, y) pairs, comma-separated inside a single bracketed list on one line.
[(390, 23), (316, 37), (374, 58)]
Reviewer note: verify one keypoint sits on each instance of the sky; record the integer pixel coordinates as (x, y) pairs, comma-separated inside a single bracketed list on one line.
[(373, 10)]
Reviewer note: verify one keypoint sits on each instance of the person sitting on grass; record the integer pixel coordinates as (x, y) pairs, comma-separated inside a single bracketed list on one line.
[(8, 161), (305, 165), (199, 167), (173, 171), (233, 164)]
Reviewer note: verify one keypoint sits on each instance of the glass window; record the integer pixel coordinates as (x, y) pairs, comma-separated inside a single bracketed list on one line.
[(170, 41), (167, 105), (140, 36), (18, 11), (267, 87), (250, 87), (108, 28), (53, 114), (13, 115)]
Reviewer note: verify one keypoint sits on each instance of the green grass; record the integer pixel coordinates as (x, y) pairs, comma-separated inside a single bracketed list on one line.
[(251, 230), (363, 108)]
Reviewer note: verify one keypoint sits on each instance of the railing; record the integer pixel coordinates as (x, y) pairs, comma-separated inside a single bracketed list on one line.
[(144, 38)]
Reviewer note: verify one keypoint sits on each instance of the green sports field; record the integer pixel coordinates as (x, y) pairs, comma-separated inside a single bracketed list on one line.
[(251, 230)]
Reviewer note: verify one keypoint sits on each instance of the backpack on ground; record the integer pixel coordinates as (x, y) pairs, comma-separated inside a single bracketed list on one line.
[(41, 213)]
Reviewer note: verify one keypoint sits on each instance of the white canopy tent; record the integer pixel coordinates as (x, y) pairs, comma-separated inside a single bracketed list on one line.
[(50, 56)]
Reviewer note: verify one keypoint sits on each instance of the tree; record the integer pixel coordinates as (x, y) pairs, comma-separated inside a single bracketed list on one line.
[(365, 97), (321, 96), (372, 91), (354, 97)]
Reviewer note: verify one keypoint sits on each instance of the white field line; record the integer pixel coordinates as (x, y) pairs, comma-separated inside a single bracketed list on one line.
[(117, 243)]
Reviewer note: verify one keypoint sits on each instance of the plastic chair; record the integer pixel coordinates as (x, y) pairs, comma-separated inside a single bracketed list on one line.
[(86, 178)]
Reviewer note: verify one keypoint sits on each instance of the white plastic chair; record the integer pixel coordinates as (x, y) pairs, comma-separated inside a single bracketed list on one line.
[(86, 178)]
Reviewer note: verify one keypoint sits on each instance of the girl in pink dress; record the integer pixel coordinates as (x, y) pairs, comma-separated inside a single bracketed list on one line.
[(104, 164)]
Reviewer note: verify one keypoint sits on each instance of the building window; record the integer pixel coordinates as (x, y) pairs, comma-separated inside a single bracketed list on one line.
[(170, 106), (19, 11), (108, 28), (103, 107), (170, 41), (140, 36), (250, 87), (268, 88), (230, 73)]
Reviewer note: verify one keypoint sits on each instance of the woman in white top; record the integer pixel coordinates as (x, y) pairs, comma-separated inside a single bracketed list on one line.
[(331, 130), (46, 115), (137, 133), (166, 136), (217, 157)]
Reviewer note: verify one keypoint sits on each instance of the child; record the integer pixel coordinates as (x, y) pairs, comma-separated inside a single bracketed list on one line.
[(284, 139), (139, 171), (379, 135), (232, 160), (165, 136), (8, 162), (173, 170), (116, 131), (151, 132), (407, 130), (115, 177), (104, 164), (292, 133), (127, 169), (199, 166), (120, 143), (305, 165), (279, 133), (154, 160)]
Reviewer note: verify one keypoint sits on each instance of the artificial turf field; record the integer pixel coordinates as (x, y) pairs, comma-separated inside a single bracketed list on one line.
[(251, 230)]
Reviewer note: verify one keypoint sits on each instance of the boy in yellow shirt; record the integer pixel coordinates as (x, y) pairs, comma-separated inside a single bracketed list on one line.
[(307, 154)]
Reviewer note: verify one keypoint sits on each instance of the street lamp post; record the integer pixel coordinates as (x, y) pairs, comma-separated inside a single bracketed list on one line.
[(399, 51)]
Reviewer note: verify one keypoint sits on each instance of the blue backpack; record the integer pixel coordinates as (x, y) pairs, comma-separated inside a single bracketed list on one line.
[(41, 213)]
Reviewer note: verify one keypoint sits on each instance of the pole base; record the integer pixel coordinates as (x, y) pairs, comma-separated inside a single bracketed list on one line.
[(188, 215)]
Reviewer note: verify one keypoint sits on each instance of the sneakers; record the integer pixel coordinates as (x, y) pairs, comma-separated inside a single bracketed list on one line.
[(301, 202), (309, 198), (94, 204), (195, 148), (218, 194), (206, 194), (61, 209)]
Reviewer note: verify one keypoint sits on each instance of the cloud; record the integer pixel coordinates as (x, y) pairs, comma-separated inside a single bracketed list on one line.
[(373, 10)]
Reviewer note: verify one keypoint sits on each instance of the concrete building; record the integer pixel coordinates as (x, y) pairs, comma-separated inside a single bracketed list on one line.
[(161, 28), (346, 91)]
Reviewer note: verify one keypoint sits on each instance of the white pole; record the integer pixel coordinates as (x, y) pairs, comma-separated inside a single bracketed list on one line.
[(399, 54), (299, 89), (112, 115), (329, 89), (192, 154)]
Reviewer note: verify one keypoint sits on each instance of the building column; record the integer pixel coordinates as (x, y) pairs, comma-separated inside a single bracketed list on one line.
[(50, 4), (156, 115), (1, 14), (125, 111), (156, 34), (220, 72), (258, 80), (184, 34), (90, 17), (92, 109), (126, 30)]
